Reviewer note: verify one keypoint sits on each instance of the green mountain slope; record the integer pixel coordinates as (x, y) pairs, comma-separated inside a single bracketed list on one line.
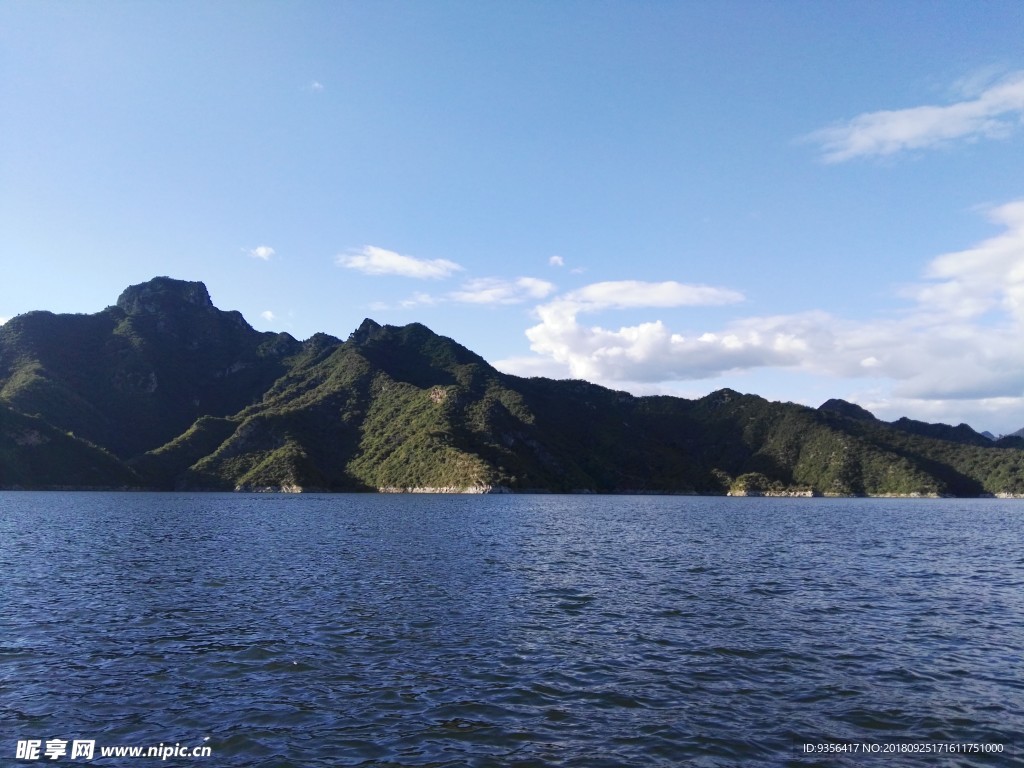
[(34, 454), (137, 374), (163, 390)]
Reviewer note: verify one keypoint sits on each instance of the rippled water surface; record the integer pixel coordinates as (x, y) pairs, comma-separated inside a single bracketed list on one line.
[(344, 630)]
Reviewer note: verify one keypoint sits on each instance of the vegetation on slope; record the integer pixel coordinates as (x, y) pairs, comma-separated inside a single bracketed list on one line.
[(164, 390), (35, 455)]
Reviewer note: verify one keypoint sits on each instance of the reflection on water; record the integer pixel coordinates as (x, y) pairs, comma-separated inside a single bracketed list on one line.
[(511, 630)]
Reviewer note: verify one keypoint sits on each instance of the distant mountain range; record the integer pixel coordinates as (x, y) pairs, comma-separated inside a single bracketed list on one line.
[(165, 391)]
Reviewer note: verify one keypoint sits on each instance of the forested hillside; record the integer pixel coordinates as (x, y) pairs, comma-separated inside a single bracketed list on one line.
[(164, 391)]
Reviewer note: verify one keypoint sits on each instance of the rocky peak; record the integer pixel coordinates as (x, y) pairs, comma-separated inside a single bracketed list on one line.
[(366, 331), (161, 295)]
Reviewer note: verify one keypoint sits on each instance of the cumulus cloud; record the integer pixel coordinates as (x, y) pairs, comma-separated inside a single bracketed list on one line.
[(992, 113), (372, 260), (3, 319), (491, 290), (263, 252), (963, 336), (315, 86), (651, 352), (986, 277), (958, 340), (556, 261), (646, 352), (268, 315)]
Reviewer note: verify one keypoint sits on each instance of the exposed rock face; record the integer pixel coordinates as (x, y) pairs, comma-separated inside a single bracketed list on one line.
[(162, 295)]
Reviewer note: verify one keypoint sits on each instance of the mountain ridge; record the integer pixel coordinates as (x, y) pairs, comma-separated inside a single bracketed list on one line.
[(163, 390)]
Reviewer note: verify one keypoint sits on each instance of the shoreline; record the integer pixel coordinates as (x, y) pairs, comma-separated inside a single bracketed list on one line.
[(482, 490)]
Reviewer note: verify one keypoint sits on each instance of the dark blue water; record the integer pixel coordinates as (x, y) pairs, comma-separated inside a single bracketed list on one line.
[(511, 630)]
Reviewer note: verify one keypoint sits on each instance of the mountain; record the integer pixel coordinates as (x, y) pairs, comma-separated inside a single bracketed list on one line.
[(164, 391), (137, 374)]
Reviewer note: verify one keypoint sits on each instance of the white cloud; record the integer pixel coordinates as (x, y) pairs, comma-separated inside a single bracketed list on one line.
[(264, 252), (1005, 414), (531, 366), (650, 352), (315, 86), (992, 113), (646, 352), (419, 299), (483, 290), (622, 294), (372, 260), (958, 341), (556, 261), (3, 320), (988, 277), (268, 315), (492, 290), (922, 357)]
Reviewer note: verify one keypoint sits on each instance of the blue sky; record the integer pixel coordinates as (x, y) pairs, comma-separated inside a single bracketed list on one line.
[(803, 200)]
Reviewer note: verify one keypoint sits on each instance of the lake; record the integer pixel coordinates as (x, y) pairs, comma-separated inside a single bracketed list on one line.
[(383, 630)]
